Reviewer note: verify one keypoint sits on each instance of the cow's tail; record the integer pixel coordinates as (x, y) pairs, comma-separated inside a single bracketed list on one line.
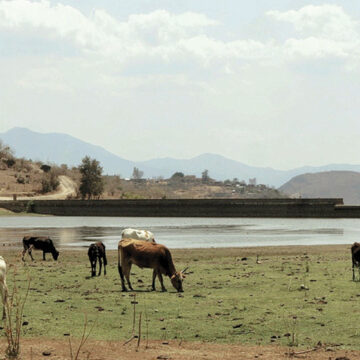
[(119, 265)]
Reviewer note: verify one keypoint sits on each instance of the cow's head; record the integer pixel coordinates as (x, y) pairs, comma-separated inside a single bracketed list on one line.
[(177, 280), (55, 254)]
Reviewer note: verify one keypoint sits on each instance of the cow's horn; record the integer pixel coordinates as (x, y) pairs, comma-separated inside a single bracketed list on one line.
[(185, 270)]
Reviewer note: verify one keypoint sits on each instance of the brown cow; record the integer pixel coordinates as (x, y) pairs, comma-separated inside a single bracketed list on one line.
[(147, 255), (355, 255)]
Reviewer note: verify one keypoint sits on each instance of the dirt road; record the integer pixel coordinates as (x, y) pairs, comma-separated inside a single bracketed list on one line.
[(66, 188), (172, 350)]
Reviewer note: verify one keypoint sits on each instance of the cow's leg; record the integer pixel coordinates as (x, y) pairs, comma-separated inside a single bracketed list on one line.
[(30, 252), (93, 267), (100, 265), (4, 295), (153, 280), (44, 256), (127, 275), (121, 267), (104, 265), (353, 268), (24, 252), (163, 289)]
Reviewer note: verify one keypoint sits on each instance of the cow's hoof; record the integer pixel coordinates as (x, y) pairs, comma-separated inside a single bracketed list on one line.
[(163, 290), (124, 290)]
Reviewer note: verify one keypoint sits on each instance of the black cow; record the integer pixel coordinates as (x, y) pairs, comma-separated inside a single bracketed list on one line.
[(97, 252), (43, 243)]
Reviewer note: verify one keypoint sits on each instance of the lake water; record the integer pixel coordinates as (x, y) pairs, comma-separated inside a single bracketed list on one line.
[(183, 232)]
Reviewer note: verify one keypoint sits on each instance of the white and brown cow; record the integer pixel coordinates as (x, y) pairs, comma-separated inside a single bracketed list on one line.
[(136, 234)]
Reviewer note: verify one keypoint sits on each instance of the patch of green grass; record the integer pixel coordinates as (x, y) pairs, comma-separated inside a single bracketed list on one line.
[(5, 212), (287, 299)]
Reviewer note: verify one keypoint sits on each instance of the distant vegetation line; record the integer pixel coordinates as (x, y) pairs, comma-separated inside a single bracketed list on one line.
[(205, 176), (65, 149), (20, 176)]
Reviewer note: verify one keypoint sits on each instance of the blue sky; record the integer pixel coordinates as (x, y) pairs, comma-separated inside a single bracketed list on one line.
[(268, 83)]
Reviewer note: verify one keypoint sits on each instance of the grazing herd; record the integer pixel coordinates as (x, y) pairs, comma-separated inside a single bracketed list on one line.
[(136, 247)]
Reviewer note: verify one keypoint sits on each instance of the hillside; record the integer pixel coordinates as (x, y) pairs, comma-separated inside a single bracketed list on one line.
[(344, 184), (25, 179)]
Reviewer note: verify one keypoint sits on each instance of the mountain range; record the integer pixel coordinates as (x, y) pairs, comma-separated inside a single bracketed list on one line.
[(336, 184), (65, 149)]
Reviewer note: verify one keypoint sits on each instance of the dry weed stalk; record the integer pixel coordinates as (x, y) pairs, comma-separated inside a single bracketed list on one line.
[(139, 336), (147, 325), (134, 315), (14, 308), (133, 336), (83, 340)]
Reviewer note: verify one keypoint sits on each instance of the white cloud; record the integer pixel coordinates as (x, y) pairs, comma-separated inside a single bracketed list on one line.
[(181, 76), (324, 31), (326, 21), (161, 34)]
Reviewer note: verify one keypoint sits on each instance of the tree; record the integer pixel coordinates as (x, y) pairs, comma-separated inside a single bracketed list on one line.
[(177, 175), (5, 151), (92, 184), (205, 176), (137, 174)]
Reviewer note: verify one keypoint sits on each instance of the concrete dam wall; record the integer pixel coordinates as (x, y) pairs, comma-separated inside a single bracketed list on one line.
[(294, 208)]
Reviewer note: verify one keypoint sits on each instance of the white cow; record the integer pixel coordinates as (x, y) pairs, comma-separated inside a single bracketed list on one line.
[(3, 286), (137, 235)]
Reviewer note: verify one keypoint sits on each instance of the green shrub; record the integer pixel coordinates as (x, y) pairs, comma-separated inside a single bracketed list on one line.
[(49, 182)]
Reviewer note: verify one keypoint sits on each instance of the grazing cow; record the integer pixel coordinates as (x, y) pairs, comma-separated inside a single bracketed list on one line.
[(39, 243), (3, 286), (147, 255), (138, 235), (355, 255), (97, 252)]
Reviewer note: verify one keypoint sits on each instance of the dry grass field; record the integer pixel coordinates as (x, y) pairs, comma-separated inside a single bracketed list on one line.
[(266, 303)]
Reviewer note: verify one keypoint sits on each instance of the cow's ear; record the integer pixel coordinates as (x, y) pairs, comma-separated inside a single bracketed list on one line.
[(183, 276)]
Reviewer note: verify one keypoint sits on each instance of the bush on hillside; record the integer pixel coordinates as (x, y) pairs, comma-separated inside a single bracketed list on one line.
[(49, 182), (45, 168)]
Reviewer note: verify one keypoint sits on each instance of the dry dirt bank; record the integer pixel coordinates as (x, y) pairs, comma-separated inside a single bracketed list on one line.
[(102, 350)]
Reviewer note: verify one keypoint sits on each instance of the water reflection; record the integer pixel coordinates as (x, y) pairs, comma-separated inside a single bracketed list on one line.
[(183, 232)]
